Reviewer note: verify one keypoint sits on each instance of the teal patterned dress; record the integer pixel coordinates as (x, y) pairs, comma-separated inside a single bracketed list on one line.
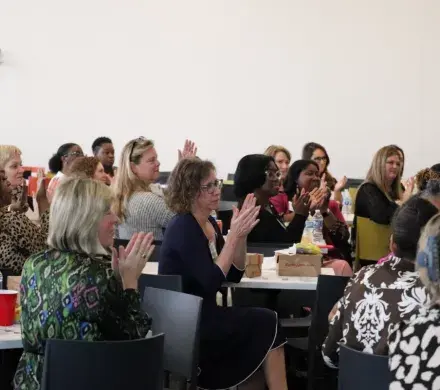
[(71, 296)]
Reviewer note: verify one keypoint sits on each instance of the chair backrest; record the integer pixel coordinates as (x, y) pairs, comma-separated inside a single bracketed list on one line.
[(165, 282), (155, 255), (227, 192), (355, 183), (362, 371), (110, 365), (353, 193), (328, 291), (372, 239), (178, 316)]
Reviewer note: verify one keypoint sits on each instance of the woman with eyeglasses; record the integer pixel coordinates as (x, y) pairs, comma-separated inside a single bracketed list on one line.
[(234, 341), (259, 175), (318, 154), (60, 163), (139, 201)]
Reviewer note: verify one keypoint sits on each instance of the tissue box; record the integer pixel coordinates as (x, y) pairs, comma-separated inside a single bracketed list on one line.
[(298, 264), (253, 265)]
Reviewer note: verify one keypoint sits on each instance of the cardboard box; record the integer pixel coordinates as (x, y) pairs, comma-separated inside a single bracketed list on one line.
[(253, 265), (298, 264)]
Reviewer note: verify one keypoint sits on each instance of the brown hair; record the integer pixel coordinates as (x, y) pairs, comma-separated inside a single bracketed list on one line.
[(83, 167), (424, 176), (272, 151), (307, 154), (185, 181), (126, 181), (376, 173)]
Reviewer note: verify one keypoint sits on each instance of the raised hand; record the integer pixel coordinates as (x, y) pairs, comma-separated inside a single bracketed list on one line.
[(409, 189), (301, 203), (189, 150), (340, 185), (244, 220), (20, 205), (41, 195), (323, 183), (130, 261), (317, 198)]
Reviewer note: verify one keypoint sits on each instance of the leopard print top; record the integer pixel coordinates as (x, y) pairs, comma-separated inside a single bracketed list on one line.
[(20, 238)]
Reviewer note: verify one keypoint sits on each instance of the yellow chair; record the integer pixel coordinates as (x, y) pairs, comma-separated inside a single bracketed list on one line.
[(372, 240), (353, 192)]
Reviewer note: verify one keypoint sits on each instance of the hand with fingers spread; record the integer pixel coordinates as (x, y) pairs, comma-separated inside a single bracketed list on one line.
[(301, 203), (244, 220), (340, 185), (323, 183), (317, 198), (130, 261), (189, 150), (409, 189), (21, 205), (41, 195)]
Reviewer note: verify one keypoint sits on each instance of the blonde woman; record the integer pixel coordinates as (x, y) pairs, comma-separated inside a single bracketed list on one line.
[(77, 289), (378, 197), (89, 167), (11, 163), (139, 202), (414, 343)]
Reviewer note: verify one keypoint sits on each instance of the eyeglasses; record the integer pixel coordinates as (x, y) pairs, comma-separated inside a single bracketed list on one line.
[(319, 159), (210, 187), (274, 174), (75, 154), (134, 142)]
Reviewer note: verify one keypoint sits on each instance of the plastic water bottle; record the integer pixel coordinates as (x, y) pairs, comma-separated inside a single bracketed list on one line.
[(346, 203), (214, 214), (308, 230), (318, 223)]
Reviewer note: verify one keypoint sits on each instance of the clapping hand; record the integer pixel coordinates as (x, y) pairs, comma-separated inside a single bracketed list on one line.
[(301, 203), (189, 150), (317, 198), (244, 220), (340, 185), (130, 261)]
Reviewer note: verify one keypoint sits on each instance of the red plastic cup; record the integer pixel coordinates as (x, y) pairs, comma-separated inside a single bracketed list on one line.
[(8, 299)]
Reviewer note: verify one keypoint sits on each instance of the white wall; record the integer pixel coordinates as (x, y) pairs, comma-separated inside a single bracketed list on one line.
[(233, 75)]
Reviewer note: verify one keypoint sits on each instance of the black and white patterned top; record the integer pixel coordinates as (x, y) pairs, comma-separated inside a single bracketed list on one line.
[(146, 212), (414, 348)]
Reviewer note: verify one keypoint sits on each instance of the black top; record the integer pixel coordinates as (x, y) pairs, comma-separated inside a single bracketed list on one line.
[(271, 228), (372, 203)]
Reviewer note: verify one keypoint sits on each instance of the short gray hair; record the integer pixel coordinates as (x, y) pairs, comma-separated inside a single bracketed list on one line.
[(75, 214)]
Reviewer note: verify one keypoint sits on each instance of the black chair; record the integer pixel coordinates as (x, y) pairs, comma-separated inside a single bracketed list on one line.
[(354, 183), (155, 255), (227, 193), (362, 371), (329, 290), (163, 177), (178, 316), (165, 282), (110, 365), (231, 176)]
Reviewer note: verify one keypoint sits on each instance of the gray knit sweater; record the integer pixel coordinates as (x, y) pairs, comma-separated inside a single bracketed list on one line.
[(145, 212)]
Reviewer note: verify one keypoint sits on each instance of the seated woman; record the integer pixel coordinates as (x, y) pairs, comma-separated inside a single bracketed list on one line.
[(259, 175), (317, 153), (304, 175), (77, 290), (382, 294), (234, 341), (60, 163), (104, 151), (140, 202), (19, 236), (414, 343), (88, 167), (282, 159)]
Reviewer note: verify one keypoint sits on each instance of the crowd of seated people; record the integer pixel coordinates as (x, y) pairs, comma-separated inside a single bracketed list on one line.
[(89, 202)]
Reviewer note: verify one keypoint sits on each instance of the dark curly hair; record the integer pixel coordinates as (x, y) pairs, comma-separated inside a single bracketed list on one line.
[(84, 167), (424, 176), (250, 174), (184, 183)]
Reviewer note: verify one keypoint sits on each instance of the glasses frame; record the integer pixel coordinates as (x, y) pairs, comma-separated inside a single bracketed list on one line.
[(274, 175), (219, 186)]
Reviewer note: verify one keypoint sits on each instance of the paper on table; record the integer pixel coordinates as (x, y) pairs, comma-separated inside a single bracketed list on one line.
[(269, 264)]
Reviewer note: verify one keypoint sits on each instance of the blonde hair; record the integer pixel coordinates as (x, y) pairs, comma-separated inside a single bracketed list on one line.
[(126, 181), (432, 229), (75, 214), (377, 173), (84, 167), (7, 152), (272, 151)]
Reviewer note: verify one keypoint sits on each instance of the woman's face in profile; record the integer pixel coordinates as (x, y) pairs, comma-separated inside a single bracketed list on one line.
[(100, 174), (209, 194), (309, 178), (14, 171), (273, 180), (5, 189), (148, 167)]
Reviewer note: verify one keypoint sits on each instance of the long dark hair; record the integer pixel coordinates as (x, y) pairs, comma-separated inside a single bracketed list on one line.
[(307, 153), (56, 162), (291, 182)]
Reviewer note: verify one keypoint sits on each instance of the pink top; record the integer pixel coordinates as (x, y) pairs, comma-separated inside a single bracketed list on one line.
[(281, 203), (386, 258), (53, 184)]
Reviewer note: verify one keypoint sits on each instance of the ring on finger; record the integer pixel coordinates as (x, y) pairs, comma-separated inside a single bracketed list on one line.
[(145, 255)]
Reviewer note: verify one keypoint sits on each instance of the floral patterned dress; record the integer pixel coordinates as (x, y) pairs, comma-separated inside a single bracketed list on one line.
[(377, 297), (71, 296)]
